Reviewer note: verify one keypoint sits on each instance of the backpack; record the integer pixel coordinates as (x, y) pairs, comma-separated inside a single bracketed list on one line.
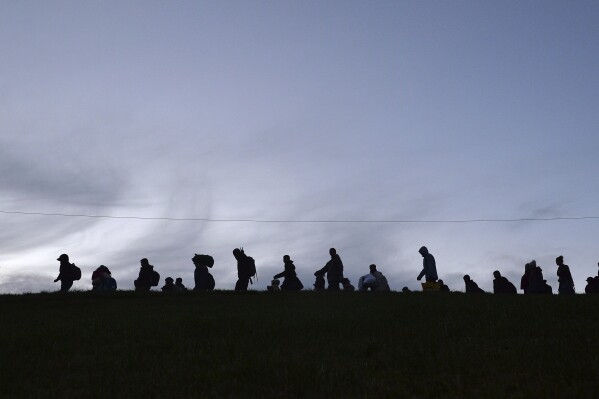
[(75, 272), (155, 278), (251, 268)]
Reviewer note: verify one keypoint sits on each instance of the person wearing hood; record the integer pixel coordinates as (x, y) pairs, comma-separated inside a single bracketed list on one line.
[(502, 285), (102, 280), (429, 267), (471, 286), (290, 280)]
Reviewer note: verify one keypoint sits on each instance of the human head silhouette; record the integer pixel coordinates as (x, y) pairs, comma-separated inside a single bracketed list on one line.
[(423, 251), (372, 268), (63, 258), (466, 277), (237, 253), (332, 252), (559, 260), (496, 274), (168, 280), (179, 280), (144, 262), (286, 258)]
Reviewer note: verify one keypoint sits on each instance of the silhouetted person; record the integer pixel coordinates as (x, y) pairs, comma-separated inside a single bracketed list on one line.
[(592, 286), (274, 286), (246, 269), (319, 283), (564, 277), (169, 285), (524, 279), (102, 280), (405, 289), (204, 281), (148, 277), (471, 286), (429, 266), (66, 273), (334, 270), (536, 283), (291, 282), (374, 281), (443, 287), (347, 286), (179, 284), (502, 285)]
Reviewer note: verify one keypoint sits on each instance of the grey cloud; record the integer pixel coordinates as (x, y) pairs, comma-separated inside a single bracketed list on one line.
[(25, 283), (66, 178)]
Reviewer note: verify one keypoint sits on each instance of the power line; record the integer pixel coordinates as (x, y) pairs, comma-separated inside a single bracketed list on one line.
[(297, 221)]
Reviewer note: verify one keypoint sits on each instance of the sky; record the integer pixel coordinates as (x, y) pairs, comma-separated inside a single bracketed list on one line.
[(307, 118)]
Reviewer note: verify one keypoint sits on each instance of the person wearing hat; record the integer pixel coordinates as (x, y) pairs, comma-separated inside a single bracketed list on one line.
[(64, 273)]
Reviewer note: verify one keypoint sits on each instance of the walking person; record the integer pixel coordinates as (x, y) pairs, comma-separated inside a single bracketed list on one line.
[(67, 273), (429, 266), (564, 277), (246, 269), (290, 280), (333, 269)]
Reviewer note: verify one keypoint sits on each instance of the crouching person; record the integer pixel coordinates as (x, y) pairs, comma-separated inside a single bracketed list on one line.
[(374, 281), (102, 280), (471, 286), (502, 285)]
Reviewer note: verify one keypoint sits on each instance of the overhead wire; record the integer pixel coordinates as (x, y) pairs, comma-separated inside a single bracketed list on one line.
[(215, 220)]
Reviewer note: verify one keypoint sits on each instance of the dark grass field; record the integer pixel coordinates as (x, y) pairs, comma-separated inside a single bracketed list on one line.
[(305, 345)]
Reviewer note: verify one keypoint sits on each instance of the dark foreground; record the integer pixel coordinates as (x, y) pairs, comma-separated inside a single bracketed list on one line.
[(308, 345)]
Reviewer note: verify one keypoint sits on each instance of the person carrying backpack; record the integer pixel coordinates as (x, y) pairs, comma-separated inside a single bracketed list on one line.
[(246, 269), (148, 277), (67, 273)]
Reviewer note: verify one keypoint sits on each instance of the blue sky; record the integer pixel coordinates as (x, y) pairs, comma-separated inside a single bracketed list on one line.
[(298, 111)]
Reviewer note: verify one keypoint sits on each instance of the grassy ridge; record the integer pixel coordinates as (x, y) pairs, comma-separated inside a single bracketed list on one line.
[(306, 344)]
